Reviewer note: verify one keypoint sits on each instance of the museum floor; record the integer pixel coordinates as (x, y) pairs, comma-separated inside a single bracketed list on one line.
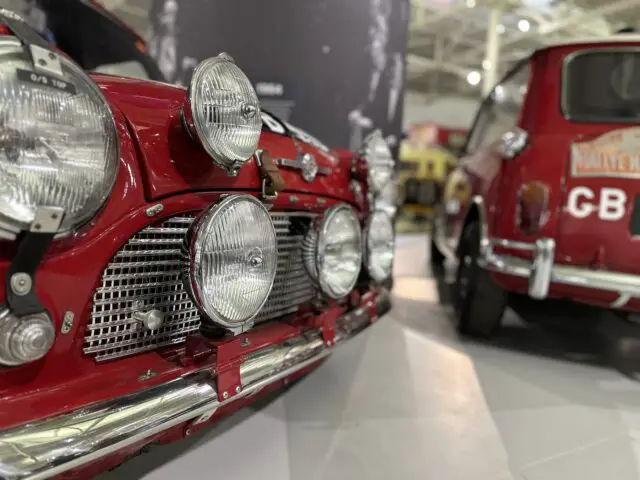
[(409, 400)]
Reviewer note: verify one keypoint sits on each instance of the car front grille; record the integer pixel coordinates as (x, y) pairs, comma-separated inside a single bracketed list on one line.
[(145, 274)]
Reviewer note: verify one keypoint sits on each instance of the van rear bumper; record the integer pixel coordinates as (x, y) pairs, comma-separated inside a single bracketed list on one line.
[(542, 272)]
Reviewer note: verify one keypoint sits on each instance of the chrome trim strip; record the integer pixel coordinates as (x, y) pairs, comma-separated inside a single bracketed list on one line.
[(542, 272), (621, 301), (500, 242), (52, 446), (297, 165)]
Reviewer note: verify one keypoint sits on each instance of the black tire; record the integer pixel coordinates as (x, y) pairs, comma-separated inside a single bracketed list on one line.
[(436, 258), (479, 304)]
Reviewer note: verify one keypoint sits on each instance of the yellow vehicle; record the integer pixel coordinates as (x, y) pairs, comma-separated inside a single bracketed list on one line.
[(426, 157)]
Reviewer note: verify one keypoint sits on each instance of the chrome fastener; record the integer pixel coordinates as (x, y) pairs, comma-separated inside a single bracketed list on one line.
[(154, 210), (238, 389), (21, 283), (67, 323)]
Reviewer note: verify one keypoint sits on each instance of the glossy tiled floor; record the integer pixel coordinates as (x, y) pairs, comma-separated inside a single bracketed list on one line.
[(409, 400)]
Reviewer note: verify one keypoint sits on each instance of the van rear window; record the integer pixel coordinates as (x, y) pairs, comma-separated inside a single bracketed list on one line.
[(602, 86)]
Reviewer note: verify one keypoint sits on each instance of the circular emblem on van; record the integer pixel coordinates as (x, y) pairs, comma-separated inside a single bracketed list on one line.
[(309, 167)]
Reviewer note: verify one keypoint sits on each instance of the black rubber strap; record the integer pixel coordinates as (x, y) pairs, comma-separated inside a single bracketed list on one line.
[(22, 30), (31, 250)]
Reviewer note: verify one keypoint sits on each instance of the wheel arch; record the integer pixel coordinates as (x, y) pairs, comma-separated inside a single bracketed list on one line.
[(477, 213)]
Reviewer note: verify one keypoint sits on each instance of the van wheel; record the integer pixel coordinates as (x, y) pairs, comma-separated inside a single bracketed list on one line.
[(479, 303)]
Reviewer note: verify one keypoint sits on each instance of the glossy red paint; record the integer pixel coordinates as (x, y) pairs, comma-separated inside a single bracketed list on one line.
[(581, 242), (173, 163)]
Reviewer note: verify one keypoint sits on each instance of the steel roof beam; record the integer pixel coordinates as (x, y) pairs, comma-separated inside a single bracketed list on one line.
[(546, 29)]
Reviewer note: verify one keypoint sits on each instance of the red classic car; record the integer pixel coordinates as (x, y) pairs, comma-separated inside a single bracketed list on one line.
[(168, 255), (545, 201)]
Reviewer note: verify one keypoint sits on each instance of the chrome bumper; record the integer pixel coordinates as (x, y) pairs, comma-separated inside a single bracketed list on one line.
[(542, 271), (43, 449)]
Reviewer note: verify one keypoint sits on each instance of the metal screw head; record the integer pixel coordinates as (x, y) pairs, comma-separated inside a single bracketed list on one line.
[(148, 375), (226, 56), (238, 389), (151, 320), (225, 395), (42, 62), (21, 283), (67, 323), (187, 432), (52, 55)]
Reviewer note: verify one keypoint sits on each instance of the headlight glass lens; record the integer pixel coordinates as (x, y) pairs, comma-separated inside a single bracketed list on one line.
[(225, 112), (58, 142), (380, 243), (388, 199), (233, 258), (379, 160), (333, 251)]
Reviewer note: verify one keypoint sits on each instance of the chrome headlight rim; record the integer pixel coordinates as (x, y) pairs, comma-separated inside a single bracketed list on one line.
[(10, 227), (196, 129), (366, 153), (368, 251), (192, 239), (315, 239)]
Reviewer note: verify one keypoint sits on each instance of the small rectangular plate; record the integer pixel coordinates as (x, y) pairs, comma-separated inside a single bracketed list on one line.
[(45, 80)]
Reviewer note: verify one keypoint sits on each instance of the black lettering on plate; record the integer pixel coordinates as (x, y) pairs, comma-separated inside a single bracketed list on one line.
[(44, 80)]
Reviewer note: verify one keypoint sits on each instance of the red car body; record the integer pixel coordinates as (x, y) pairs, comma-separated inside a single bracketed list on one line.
[(74, 416), (547, 188)]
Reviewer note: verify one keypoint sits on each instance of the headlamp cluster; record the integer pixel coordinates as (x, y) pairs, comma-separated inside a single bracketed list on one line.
[(232, 257), (379, 235), (59, 157)]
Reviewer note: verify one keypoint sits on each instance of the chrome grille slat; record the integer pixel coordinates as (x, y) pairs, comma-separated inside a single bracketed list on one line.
[(148, 253), (148, 269)]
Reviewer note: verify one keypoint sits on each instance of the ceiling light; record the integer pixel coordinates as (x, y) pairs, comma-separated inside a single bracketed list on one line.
[(471, 3), (486, 64), (524, 25), (500, 28), (474, 78)]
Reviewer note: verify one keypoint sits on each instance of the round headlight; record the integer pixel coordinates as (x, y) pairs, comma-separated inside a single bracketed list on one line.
[(224, 111), (58, 141), (333, 251), (388, 199), (380, 246), (379, 160), (232, 260)]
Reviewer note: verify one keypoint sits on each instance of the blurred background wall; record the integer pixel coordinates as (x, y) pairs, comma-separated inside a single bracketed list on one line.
[(333, 67)]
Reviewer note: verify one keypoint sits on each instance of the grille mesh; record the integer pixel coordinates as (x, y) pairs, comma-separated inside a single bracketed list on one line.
[(145, 274)]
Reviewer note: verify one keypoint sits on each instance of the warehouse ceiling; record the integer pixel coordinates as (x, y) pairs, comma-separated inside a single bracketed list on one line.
[(447, 38)]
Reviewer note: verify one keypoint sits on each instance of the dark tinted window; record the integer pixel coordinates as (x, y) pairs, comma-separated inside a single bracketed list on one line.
[(602, 86)]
